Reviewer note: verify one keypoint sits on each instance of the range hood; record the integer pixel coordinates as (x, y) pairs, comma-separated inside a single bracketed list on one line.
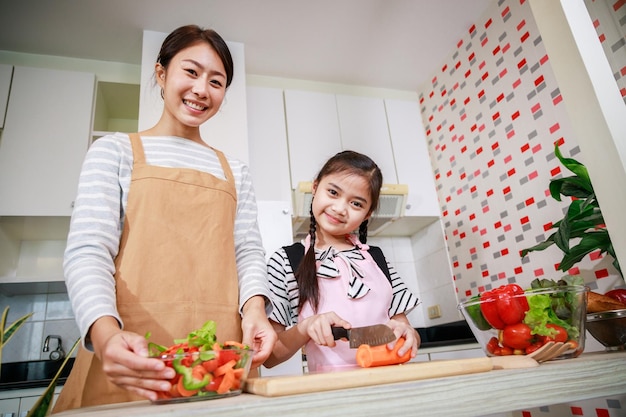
[(391, 206)]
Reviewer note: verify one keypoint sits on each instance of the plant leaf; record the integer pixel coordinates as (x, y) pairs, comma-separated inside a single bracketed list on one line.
[(14, 327), (539, 246), (42, 407), (590, 242), (573, 165), (3, 321), (570, 187), (561, 237)]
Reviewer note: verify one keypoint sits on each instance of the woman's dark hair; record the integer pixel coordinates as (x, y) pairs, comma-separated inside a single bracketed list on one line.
[(189, 35), (348, 162)]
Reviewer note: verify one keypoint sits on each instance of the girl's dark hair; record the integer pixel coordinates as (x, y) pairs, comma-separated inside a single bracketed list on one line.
[(189, 35), (348, 162)]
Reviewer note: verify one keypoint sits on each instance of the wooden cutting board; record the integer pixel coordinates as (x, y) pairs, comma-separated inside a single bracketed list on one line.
[(276, 386)]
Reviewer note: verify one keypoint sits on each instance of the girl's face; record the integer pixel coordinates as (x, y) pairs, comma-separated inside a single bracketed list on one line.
[(341, 203), (194, 85)]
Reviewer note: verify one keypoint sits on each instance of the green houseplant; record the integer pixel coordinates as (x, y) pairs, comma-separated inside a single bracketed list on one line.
[(42, 406), (582, 229)]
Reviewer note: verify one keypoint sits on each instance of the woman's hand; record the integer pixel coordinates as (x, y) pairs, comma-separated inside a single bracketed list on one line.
[(402, 328), (318, 327), (258, 333), (124, 357)]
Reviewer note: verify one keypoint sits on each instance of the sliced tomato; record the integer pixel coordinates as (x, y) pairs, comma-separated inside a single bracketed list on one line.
[(214, 384), (227, 355), (210, 365)]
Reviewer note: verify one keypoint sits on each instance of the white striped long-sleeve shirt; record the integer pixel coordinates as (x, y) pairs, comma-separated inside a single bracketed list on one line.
[(286, 297), (99, 211)]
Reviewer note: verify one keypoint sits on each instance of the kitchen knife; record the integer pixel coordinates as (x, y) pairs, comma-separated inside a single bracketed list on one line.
[(375, 335)]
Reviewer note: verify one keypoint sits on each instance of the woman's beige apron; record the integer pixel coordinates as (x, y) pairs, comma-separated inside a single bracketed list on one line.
[(175, 269)]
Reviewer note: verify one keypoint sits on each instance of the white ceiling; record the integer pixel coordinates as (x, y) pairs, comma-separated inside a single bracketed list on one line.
[(395, 44)]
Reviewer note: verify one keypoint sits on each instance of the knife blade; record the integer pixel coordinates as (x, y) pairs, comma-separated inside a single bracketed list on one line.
[(375, 335)]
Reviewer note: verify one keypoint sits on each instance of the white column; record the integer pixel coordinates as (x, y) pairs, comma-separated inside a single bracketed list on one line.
[(593, 102)]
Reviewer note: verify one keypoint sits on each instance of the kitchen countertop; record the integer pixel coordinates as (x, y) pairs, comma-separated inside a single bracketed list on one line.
[(591, 375)]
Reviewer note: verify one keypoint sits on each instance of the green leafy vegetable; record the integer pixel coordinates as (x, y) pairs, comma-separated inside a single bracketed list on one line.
[(542, 313)]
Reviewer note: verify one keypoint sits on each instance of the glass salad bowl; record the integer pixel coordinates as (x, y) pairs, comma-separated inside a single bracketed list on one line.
[(208, 374), (511, 321)]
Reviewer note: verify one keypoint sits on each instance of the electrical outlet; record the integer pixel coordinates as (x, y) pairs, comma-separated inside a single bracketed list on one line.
[(434, 312)]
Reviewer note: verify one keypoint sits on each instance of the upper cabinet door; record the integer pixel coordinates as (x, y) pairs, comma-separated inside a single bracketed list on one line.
[(312, 131), (6, 72), (45, 137), (227, 131), (364, 129), (269, 157), (411, 156)]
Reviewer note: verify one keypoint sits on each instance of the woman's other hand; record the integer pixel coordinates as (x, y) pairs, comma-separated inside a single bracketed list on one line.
[(258, 333), (124, 357)]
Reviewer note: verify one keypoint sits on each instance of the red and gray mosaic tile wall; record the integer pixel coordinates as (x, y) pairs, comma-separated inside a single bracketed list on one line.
[(493, 113)]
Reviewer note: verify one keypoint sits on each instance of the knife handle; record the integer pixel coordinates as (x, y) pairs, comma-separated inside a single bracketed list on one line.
[(340, 333)]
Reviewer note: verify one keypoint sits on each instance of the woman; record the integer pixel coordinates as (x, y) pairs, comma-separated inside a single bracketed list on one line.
[(163, 237)]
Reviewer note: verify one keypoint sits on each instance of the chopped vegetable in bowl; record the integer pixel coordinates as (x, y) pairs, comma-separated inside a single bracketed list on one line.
[(205, 369)]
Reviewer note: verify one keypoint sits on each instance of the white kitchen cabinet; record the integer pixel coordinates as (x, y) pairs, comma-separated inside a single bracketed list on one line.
[(276, 231), (45, 137), (267, 135), (6, 72), (227, 130), (17, 403), (313, 132), (116, 108), (9, 407), (364, 129), (411, 157)]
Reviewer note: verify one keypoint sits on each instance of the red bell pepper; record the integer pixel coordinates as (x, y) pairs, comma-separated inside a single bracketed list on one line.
[(504, 305)]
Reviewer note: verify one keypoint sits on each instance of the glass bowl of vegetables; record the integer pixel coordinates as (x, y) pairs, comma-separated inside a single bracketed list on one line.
[(205, 369), (509, 320)]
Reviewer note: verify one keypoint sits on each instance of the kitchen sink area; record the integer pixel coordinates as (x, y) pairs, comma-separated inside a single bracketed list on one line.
[(32, 374)]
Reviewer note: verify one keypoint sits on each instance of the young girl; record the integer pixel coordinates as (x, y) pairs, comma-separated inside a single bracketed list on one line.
[(337, 283), (163, 237)]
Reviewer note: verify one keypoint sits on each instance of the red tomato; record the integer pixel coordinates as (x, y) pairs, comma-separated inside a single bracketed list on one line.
[(210, 365), (492, 345), (533, 347), (617, 294), (214, 384), (517, 336), (227, 355), (559, 336), (505, 351)]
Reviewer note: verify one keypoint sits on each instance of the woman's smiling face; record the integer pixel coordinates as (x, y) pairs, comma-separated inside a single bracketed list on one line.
[(341, 202), (193, 84)]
